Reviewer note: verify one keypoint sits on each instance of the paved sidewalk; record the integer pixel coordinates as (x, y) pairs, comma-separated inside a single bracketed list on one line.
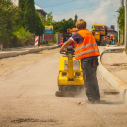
[(11, 52)]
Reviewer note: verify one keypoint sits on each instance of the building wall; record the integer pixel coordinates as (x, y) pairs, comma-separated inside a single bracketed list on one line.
[(41, 14), (15, 2)]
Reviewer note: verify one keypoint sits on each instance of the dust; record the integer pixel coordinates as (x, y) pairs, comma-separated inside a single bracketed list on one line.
[(81, 94)]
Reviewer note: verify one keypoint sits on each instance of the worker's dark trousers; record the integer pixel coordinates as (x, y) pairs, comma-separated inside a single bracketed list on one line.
[(89, 67)]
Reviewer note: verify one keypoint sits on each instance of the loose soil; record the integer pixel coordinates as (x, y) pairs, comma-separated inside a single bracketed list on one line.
[(12, 63)]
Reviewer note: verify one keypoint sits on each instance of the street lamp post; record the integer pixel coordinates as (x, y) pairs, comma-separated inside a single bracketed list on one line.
[(118, 33)]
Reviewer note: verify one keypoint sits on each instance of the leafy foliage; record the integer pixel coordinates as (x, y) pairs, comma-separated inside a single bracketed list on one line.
[(18, 23), (23, 36), (8, 16), (76, 18), (27, 15), (21, 20), (63, 25), (39, 28), (30, 15), (121, 18), (60, 26), (30, 19), (49, 19)]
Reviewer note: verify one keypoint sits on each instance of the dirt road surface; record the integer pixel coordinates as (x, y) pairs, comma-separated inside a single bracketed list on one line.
[(27, 97)]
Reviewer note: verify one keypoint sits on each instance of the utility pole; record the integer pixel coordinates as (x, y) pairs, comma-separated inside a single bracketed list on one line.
[(122, 3), (118, 34), (125, 40)]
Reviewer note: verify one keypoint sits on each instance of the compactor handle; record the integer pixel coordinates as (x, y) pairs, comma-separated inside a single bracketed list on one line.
[(70, 50)]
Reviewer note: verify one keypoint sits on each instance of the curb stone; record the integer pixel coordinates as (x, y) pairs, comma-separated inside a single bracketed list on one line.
[(6, 54), (111, 79)]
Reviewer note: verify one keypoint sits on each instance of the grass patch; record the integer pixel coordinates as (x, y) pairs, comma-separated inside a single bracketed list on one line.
[(51, 43)]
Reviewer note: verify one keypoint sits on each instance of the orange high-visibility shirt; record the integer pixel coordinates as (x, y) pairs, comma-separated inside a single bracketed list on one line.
[(88, 47)]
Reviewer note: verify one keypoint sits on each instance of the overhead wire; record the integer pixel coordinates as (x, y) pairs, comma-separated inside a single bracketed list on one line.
[(85, 6), (87, 10), (59, 4)]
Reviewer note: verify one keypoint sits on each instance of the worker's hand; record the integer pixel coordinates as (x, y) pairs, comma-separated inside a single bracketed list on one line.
[(65, 45), (61, 50), (65, 49)]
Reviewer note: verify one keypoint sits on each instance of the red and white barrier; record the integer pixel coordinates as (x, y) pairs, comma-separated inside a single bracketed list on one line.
[(36, 40), (61, 42)]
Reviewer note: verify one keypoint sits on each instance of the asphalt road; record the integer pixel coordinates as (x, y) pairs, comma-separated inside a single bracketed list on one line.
[(27, 99)]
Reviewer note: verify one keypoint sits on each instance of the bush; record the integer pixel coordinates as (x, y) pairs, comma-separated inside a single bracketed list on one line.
[(24, 38), (8, 17)]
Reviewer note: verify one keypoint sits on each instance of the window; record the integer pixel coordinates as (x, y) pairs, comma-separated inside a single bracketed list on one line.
[(99, 28)]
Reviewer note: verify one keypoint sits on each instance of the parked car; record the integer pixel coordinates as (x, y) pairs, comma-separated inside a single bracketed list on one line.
[(65, 37)]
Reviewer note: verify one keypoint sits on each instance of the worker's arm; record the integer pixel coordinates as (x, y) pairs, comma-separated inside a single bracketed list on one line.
[(65, 45)]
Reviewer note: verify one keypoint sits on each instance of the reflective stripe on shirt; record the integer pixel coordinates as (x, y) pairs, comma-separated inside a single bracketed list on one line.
[(85, 52), (84, 46)]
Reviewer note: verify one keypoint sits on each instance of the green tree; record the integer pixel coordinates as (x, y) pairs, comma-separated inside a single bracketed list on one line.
[(121, 21), (121, 18), (60, 26), (27, 15), (39, 28), (49, 19), (57, 27), (76, 18), (63, 25), (21, 21), (30, 15), (8, 17), (70, 23)]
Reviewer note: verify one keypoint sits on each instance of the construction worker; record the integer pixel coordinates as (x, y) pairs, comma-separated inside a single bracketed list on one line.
[(105, 38), (87, 51), (93, 28), (111, 38)]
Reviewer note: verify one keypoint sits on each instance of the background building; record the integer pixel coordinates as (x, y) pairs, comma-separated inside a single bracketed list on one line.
[(40, 11), (111, 31), (15, 2)]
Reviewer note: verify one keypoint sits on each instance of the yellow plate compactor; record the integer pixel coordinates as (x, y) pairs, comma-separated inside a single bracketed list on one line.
[(70, 79)]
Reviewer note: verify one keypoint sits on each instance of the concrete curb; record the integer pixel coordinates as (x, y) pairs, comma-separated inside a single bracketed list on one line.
[(6, 54), (111, 79)]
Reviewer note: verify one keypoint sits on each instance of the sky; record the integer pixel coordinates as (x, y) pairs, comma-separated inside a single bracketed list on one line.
[(92, 11)]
